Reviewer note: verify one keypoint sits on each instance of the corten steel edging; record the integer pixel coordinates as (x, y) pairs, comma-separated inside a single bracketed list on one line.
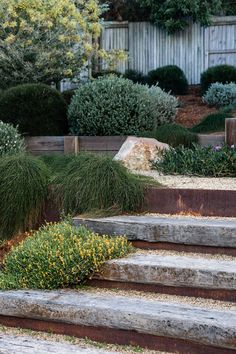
[(191, 201), (184, 248), (115, 336), (215, 294)]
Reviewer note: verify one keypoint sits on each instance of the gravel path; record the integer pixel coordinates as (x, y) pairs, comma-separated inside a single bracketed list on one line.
[(226, 183)]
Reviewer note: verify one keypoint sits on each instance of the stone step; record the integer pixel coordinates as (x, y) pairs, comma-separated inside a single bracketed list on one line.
[(173, 273), (162, 324), (10, 344), (208, 235), (211, 139)]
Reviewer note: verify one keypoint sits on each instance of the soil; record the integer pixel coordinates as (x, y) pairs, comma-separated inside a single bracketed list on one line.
[(192, 109), (6, 246)]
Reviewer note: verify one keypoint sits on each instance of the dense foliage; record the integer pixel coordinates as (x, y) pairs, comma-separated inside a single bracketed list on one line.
[(214, 122), (219, 73), (58, 256), (136, 76), (96, 182), (220, 94), (169, 78), (23, 189), (117, 106), (217, 161), (36, 109), (11, 141), (173, 134), (46, 41)]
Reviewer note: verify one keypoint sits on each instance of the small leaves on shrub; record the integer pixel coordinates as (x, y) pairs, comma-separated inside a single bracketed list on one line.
[(169, 78), (23, 189), (11, 141), (136, 76), (214, 122), (36, 109), (210, 161), (219, 73), (220, 94), (58, 256)]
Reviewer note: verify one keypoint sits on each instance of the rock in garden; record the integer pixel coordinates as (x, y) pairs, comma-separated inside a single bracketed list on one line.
[(137, 153)]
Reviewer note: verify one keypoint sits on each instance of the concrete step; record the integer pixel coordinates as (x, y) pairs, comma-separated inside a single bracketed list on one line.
[(208, 235), (211, 139), (181, 327), (173, 273), (10, 344)]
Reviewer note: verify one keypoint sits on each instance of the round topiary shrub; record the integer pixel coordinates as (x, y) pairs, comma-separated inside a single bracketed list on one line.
[(115, 106), (36, 109), (169, 78), (59, 256), (23, 189), (136, 76), (220, 73), (220, 95), (11, 141)]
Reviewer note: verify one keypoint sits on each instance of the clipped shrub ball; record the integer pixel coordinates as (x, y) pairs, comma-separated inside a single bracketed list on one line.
[(23, 189), (117, 106), (169, 78), (166, 105), (96, 182), (220, 95), (36, 109), (11, 141), (58, 256), (174, 135), (136, 76), (218, 73)]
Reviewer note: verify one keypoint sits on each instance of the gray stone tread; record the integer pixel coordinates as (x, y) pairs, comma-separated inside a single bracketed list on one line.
[(204, 325), (10, 344)]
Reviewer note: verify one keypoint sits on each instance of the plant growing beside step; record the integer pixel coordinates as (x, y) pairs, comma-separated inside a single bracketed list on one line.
[(58, 256)]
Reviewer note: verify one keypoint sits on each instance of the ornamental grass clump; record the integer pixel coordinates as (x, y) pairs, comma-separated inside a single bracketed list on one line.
[(11, 141), (23, 189), (59, 256), (97, 182)]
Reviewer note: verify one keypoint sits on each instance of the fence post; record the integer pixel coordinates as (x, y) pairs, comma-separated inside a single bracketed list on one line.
[(71, 144), (230, 131)]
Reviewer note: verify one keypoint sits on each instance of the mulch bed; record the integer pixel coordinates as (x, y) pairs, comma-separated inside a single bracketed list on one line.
[(7, 245), (192, 109)]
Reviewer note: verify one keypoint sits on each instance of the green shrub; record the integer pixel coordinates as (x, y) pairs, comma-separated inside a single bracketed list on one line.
[(136, 76), (10, 140), (103, 73), (219, 73), (169, 78), (36, 109), (58, 256), (23, 189), (117, 106), (217, 161), (173, 134), (96, 182), (220, 94), (67, 95), (214, 122)]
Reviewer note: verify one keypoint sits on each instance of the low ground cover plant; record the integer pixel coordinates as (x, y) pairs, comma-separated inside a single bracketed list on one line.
[(35, 108), (220, 94), (219, 73), (23, 189), (59, 256), (11, 142), (169, 78), (217, 161), (173, 134), (117, 106), (214, 122)]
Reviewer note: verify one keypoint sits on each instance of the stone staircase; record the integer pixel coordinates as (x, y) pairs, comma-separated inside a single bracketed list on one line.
[(176, 293)]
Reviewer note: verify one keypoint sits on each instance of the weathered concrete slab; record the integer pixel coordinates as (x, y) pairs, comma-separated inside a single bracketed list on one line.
[(189, 231), (162, 318), (172, 270), (10, 344)]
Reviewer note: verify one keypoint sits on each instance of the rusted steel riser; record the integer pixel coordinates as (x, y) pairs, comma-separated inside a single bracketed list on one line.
[(184, 248), (115, 336), (191, 201), (215, 294)]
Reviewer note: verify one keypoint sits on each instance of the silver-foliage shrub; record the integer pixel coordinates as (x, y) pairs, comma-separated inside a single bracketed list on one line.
[(117, 106), (220, 94), (10, 140)]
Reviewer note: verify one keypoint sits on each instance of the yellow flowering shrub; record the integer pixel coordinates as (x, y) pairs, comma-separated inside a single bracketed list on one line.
[(48, 40), (58, 256)]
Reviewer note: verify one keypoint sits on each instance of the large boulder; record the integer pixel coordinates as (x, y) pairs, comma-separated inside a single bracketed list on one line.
[(136, 153)]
